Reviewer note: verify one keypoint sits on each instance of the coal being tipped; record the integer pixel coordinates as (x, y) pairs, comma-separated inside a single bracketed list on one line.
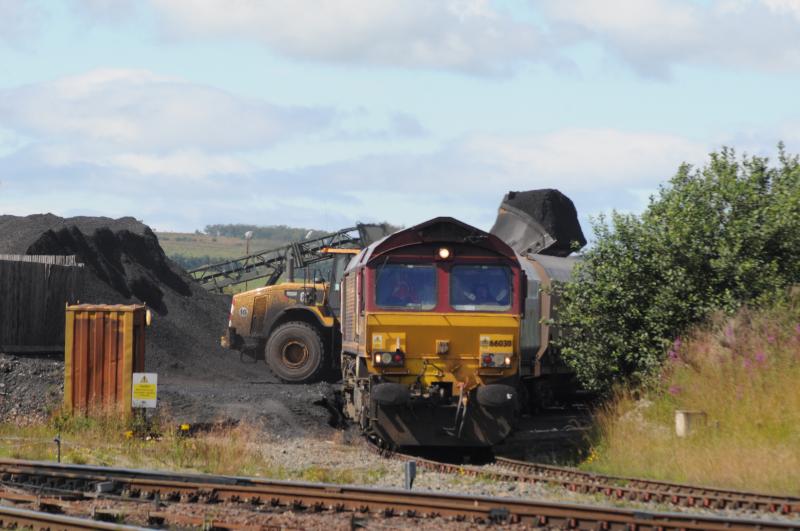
[(123, 264)]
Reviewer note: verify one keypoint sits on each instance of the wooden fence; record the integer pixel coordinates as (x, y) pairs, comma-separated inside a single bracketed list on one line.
[(34, 290)]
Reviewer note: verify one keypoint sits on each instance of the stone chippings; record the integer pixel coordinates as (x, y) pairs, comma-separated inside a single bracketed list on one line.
[(30, 386)]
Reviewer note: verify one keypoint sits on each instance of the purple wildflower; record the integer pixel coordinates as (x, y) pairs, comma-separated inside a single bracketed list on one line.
[(729, 331), (747, 364), (760, 357), (771, 339), (676, 345), (675, 390), (673, 356)]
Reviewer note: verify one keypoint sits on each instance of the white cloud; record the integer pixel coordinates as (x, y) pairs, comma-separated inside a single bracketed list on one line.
[(110, 11), (598, 168), (18, 20), (139, 110), (465, 35), (655, 35), (581, 158), (480, 37), (182, 164), (784, 6)]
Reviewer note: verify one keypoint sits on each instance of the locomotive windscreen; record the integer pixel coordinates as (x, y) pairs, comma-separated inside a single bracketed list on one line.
[(409, 286), (480, 288)]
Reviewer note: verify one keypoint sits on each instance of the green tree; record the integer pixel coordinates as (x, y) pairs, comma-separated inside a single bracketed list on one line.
[(711, 239)]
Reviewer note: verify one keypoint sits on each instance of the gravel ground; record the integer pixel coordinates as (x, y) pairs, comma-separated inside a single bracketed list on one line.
[(30, 387)]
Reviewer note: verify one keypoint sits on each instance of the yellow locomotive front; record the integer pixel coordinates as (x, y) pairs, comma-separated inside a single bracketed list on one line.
[(430, 337)]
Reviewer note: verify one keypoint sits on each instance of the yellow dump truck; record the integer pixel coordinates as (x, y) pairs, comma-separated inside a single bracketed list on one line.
[(293, 325)]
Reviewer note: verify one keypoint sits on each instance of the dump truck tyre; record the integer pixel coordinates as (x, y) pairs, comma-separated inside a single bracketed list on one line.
[(295, 353)]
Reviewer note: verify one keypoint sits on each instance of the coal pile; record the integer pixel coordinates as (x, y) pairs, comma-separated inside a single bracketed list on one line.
[(539, 221), (125, 264)]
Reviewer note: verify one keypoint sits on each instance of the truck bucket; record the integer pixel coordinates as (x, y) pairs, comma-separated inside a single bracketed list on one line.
[(539, 221)]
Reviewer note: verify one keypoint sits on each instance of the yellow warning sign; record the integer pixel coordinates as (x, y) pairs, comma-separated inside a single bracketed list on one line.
[(145, 389)]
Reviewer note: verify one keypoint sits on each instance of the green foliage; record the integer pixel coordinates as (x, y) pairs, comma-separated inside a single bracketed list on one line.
[(272, 232), (712, 239)]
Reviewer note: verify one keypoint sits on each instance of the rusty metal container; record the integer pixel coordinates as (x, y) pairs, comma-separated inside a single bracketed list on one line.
[(103, 347)]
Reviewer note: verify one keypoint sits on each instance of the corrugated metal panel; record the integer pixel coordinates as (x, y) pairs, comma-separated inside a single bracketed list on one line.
[(33, 292), (104, 346), (64, 260)]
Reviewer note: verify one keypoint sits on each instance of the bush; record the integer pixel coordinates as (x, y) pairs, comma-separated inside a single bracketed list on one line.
[(712, 239)]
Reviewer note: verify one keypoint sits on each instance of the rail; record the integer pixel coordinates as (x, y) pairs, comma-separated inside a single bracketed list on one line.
[(313, 497), (15, 518), (618, 487)]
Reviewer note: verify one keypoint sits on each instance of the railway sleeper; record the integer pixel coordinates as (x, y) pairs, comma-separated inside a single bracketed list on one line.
[(108, 515), (499, 515), (298, 505)]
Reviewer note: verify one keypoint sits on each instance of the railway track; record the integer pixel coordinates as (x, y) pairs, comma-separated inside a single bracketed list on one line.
[(176, 488), (618, 487), (14, 518), (658, 491)]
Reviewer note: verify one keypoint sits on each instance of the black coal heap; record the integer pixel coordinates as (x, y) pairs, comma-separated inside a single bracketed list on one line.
[(125, 264)]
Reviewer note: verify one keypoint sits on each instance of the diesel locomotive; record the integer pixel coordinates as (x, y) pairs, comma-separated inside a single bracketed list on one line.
[(430, 320)]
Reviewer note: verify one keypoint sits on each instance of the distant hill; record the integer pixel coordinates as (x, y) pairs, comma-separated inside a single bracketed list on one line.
[(217, 243)]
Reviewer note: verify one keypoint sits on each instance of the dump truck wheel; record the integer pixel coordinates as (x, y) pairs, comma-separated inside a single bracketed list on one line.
[(295, 353)]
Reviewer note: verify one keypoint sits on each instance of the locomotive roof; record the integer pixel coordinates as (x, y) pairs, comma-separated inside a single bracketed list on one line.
[(437, 230)]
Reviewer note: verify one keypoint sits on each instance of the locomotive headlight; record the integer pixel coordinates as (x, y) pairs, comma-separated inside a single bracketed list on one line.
[(389, 359), (444, 253), (508, 361)]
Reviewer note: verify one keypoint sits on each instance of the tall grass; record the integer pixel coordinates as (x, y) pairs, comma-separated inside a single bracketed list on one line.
[(743, 372), (112, 440), (109, 440)]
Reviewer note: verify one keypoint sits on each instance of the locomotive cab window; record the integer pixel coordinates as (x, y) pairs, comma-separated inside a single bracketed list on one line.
[(480, 288), (406, 286)]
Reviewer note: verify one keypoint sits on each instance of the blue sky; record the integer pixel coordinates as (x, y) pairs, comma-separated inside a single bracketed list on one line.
[(320, 113)]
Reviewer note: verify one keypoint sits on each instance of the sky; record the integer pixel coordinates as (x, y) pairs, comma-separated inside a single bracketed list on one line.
[(321, 113)]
